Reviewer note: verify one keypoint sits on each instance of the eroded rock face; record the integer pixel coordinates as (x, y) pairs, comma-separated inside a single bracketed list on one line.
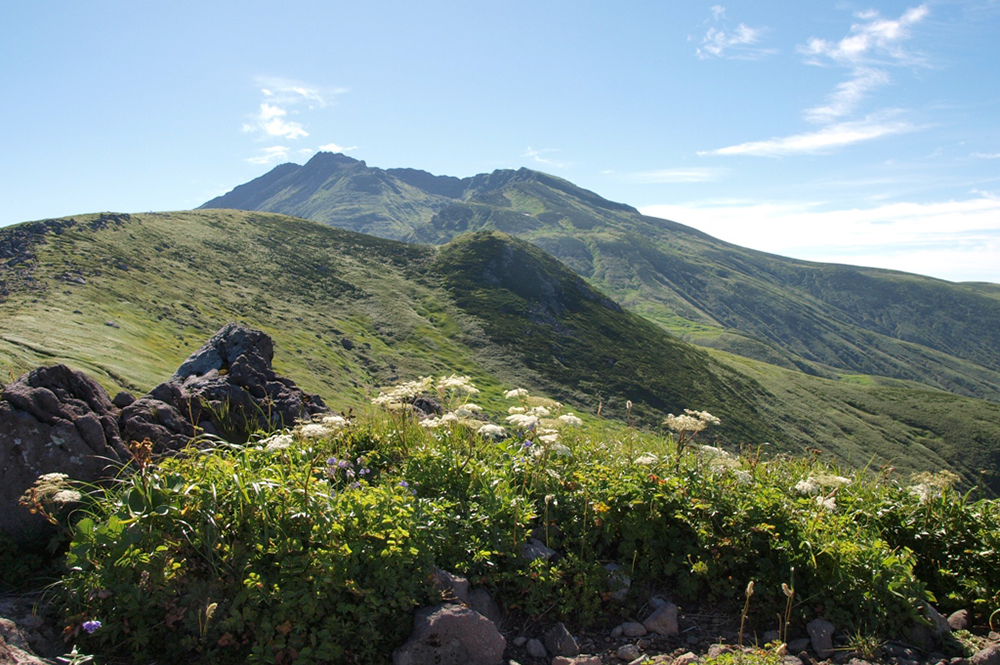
[(57, 420), (53, 419), (226, 388)]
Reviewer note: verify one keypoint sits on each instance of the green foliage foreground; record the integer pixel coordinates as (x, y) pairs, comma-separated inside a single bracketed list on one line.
[(316, 545)]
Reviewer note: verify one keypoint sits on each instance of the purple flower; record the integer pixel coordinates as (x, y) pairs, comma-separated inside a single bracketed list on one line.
[(403, 483), (91, 626)]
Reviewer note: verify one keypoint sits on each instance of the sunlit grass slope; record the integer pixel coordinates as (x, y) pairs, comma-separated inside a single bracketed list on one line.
[(127, 298)]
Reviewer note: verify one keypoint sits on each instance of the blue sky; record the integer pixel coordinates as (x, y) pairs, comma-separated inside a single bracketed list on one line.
[(854, 132)]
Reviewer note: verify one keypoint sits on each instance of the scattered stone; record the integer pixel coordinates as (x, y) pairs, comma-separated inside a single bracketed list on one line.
[(617, 631), (535, 549), (789, 659), (686, 659), (559, 642), (628, 652), (656, 602), (959, 620), (633, 629), (663, 620), (799, 645), (578, 660), (519, 641), (481, 601), (536, 649), (717, 650), (770, 636), (618, 582), (821, 633), (111, 324), (988, 656), (451, 635)]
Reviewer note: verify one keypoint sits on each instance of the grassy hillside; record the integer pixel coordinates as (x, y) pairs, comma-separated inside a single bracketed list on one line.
[(826, 320), (127, 298)]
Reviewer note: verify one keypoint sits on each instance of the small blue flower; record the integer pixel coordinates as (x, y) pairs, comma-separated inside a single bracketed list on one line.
[(91, 626), (403, 483)]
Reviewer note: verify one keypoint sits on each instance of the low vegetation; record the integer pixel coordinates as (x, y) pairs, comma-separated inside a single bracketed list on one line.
[(316, 544)]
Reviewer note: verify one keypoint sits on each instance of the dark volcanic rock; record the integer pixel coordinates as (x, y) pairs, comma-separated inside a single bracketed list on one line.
[(227, 388), (53, 419)]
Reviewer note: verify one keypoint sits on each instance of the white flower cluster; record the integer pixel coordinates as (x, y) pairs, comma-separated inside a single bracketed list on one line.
[(691, 422), (402, 393)]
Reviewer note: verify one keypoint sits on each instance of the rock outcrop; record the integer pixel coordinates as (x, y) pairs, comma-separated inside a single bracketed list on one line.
[(57, 420), (226, 388), (53, 419)]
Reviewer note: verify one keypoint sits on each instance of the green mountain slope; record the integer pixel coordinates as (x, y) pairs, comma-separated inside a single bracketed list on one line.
[(127, 297), (823, 319)]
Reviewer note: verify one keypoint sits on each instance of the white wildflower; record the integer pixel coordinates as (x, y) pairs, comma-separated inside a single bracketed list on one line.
[(827, 502), (522, 420), (313, 431), (430, 423), (51, 478), (336, 422), (807, 487), (66, 496), (475, 408), (539, 411), (560, 450), (491, 430), (571, 420), (516, 393), (743, 477), (647, 459), (277, 442), (516, 409), (714, 451), (403, 392), (549, 438), (455, 382), (449, 417)]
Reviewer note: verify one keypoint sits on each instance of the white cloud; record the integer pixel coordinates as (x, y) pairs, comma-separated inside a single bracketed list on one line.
[(536, 155), (276, 153), (955, 240), (681, 175), (738, 43), (987, 155), (848, 95), (822, 140), (333, 147), (873, 44), (874, 40), (270, 122), (282, 99)]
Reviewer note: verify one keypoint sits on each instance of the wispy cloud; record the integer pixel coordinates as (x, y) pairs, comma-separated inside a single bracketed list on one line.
[(682, 175), (271, 155), (279, 116), (987, 155), (957, 240), (739, 43), (823, 140), (537, 156), (873, 44), (333, 147), (270, 121)]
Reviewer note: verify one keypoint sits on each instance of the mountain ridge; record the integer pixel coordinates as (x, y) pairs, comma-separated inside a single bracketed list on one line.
[(825, 319), (124, 297)]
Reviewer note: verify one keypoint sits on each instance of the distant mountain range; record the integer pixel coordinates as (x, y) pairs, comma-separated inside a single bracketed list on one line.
[(127, 297), (834, 321)]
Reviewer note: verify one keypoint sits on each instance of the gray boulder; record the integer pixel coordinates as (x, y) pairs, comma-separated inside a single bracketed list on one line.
[(451, 635), (53, 420), (226, 388)]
